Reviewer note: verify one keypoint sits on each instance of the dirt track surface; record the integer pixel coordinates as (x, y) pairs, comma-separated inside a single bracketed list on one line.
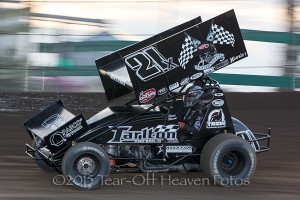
[(277, 174)]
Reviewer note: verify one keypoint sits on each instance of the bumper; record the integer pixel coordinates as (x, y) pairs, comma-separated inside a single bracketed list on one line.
[(263, 139)]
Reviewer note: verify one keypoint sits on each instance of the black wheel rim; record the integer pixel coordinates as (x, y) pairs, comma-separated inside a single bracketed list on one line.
[(233, 163), (87, 165)]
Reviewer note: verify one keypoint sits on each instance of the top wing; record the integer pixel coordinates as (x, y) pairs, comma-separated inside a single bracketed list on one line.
[(112, 68), (177, 57)]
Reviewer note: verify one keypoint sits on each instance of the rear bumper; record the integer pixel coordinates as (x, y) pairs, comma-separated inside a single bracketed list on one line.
[(30, 151), (40, 157)]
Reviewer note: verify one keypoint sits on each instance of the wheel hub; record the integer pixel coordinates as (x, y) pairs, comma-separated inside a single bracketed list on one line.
[(86, 166), (231, 162)]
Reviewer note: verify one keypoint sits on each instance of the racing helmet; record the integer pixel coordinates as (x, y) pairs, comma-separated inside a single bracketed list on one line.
[(192, 96)]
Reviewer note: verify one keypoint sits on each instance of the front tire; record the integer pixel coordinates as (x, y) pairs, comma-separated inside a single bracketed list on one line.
[(86, 165), (228, 160)]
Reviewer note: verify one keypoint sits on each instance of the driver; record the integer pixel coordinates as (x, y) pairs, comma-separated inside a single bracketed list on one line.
[(191, 116)]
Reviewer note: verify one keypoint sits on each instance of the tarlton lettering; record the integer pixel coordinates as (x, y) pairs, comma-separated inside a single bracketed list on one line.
[(124, 134)]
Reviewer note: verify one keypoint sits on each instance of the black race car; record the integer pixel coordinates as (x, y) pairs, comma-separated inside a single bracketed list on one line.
[(146, 133)]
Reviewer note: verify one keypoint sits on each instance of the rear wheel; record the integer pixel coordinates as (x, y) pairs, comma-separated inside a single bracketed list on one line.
[(228, 160), (86, 165)]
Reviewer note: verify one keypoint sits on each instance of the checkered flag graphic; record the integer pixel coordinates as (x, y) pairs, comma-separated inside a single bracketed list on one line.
[(168, 128), (188, 48), (222, 36)]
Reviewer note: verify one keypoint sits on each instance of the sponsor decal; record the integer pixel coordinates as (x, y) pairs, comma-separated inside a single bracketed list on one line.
[(218, 102), (172, 117), (248, 135), (208, 71), (219, 94), (54, 122), (203, 46), (124, 134), (185, 81), (190, 45), (216, 119), (147, 95), (60, 137), (221, 65), (196, 76), (174, 86), (116, 78), (197, 124), (210, 60), (235, 58), (175, 149), (162, 91)]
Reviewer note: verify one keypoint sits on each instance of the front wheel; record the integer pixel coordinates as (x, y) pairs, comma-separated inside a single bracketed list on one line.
[(228, 160), (86, 165)]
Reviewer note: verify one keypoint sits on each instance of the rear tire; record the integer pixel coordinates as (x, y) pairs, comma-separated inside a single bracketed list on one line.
[(86, 165), (228, 160)]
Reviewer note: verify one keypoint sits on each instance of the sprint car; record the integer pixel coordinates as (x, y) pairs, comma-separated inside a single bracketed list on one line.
[(143, 134)]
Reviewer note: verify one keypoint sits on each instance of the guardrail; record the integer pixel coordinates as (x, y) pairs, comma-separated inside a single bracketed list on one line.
[(287, 82), (252, 35)]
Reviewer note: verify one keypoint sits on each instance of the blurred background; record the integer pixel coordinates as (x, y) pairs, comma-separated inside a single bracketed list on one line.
[(51, 45)]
